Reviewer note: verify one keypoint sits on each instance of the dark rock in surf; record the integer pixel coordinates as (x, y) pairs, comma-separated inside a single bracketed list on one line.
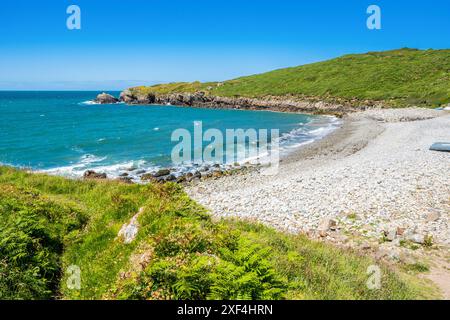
[(157, 177), (170, 177), (127, 180), (90, 174), (161, 173), (105, 98), (147, 177)]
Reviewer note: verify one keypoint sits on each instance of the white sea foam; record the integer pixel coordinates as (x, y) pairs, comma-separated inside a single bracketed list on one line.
[(307, 133), (90, 158), (76, 169), (92, 102), (91, 162), (88, 103), (77, 149)]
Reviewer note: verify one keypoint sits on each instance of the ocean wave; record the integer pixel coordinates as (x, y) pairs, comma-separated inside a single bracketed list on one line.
[(92, 102), (90, 158), (77, 169), (306, 134), (88, 103), (91, 162)]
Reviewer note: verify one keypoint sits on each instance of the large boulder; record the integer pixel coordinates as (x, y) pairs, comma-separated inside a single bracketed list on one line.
[(325, 225), (148, 177), (416, 238), (161, 173), (161, 176), (170, 177), (127, 180), (105, 98), (91, 174)]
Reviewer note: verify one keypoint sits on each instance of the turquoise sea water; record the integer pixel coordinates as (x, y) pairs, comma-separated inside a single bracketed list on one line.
[(61, 133)]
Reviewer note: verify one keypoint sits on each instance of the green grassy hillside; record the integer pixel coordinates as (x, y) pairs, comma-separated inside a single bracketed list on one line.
[(50, 223), (403, 77)]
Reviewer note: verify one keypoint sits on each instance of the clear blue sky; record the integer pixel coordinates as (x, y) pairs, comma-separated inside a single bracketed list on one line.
[(186, 40)]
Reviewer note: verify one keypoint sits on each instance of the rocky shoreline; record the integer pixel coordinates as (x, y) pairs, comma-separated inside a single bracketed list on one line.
[(270, 103), (293, 104), (197, 174)]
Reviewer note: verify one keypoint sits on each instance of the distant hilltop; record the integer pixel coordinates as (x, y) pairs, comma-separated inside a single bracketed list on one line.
[(397, 78)]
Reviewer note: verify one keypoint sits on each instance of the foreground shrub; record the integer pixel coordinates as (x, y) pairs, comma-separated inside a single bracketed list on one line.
[(32, 231)]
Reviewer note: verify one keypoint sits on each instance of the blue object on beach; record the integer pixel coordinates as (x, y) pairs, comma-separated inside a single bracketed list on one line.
[(441, 146)]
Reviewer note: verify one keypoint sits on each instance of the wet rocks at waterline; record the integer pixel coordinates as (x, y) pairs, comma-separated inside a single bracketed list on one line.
[(172, 175)]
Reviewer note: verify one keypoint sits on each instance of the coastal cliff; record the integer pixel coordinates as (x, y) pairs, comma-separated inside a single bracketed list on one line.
[(396, 78), (269, 103)]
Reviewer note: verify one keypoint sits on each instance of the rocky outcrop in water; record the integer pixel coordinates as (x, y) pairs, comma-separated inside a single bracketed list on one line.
[(273, 103), (105, 98)]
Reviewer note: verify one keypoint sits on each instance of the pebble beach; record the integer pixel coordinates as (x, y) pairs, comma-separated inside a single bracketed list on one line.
[(374, 177)]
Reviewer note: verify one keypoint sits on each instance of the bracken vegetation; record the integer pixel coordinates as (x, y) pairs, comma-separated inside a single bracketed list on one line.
[(397, 78), (50, 223)]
